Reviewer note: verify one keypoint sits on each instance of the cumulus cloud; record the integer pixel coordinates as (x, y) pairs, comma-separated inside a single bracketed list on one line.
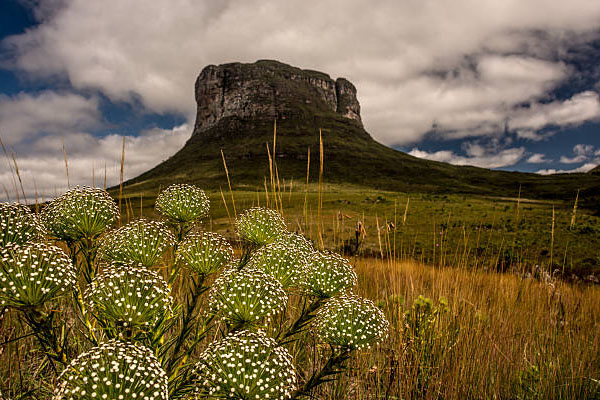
[(416, 66), (584, 168), (538, 158), (24, 116), (582, 153), (91, 160), (476, 157)]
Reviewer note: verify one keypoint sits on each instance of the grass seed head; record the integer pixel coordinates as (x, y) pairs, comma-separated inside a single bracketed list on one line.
[(260, 226), (283, 261), (129, 296), (139, 242), (351, 322), (328, 275), (182, 203), (245, 365), (33, 273), (113, 370), (204, 253), (246, 297), (18, 224), (82, 212)]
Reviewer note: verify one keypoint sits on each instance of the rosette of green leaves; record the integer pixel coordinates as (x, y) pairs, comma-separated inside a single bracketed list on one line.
[(351, 322), (182, 203), (246, 297), (18, 224), (131, 297), (283, 261), (260, 226), (329, 274), (139, 242), (82, 212), (204, 253), (245, 365), (33, 273), (113, 370)]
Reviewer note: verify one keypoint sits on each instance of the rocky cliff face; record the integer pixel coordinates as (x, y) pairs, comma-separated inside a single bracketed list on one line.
[(269, 90)]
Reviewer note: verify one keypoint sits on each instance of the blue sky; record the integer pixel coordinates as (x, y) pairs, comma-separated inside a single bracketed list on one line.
[(510, 85)]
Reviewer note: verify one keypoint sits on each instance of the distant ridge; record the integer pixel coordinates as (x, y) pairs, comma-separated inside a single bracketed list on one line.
[(237, 105)]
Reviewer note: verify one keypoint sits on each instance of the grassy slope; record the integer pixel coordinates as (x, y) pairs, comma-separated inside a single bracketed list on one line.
[(350, 156)]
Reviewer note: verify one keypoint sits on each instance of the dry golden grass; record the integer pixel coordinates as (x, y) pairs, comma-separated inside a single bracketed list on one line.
[(501, 337)]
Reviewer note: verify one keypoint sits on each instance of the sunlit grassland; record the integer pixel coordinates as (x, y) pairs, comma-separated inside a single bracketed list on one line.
[(482, 232)]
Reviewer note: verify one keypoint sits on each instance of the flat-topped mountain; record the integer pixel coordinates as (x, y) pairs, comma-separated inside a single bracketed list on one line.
[(237, 105)]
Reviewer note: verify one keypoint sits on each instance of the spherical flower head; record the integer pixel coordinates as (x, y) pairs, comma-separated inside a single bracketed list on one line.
[(246, 297), (299, 242), (245, 365), (113, 370), (260, 226), (182, 203), (129, 297), (351, 322), (18, 224), (329, 274), (283, 261), (204, 253), (139, 242), (82, 212), (33, 273)]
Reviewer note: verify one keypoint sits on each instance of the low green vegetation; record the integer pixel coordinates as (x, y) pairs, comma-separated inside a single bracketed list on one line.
[(506, 234)]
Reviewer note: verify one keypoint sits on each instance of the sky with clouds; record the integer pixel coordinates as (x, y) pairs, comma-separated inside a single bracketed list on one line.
[(506, 84)]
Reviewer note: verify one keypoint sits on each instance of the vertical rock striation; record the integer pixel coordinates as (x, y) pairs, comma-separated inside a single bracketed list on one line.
[(269, 90)]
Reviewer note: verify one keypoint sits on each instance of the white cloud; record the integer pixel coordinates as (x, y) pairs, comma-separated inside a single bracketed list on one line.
[(538, 158), (476, 158), (582, 107), (24, 116), (155, 51), (584, 168), (44, 169)]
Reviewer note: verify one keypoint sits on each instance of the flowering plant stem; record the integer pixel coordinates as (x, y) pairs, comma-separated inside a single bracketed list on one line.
[(308, 313), (53, 345), (187, 318), (335, 365)]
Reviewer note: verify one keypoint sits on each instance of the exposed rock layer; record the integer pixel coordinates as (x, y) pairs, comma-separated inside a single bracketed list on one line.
[(269, 90)]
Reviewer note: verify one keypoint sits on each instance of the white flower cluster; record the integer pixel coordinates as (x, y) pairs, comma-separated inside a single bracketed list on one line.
[(351, 322), (246, 365), (113, 371), (182, 203), (139, 242), (329, 274), (204, 253), (33, 273), (283, 261), (82, 212), (129, 296), (260, 226), (18, 224), (247, 296), (299, 242)]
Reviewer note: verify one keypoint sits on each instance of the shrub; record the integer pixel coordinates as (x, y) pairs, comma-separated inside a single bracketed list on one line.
[(139, 242), (31, 274), (114, 370), (246, 365), (82, 212), (18, 224), (182, 203), (260, 226)]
